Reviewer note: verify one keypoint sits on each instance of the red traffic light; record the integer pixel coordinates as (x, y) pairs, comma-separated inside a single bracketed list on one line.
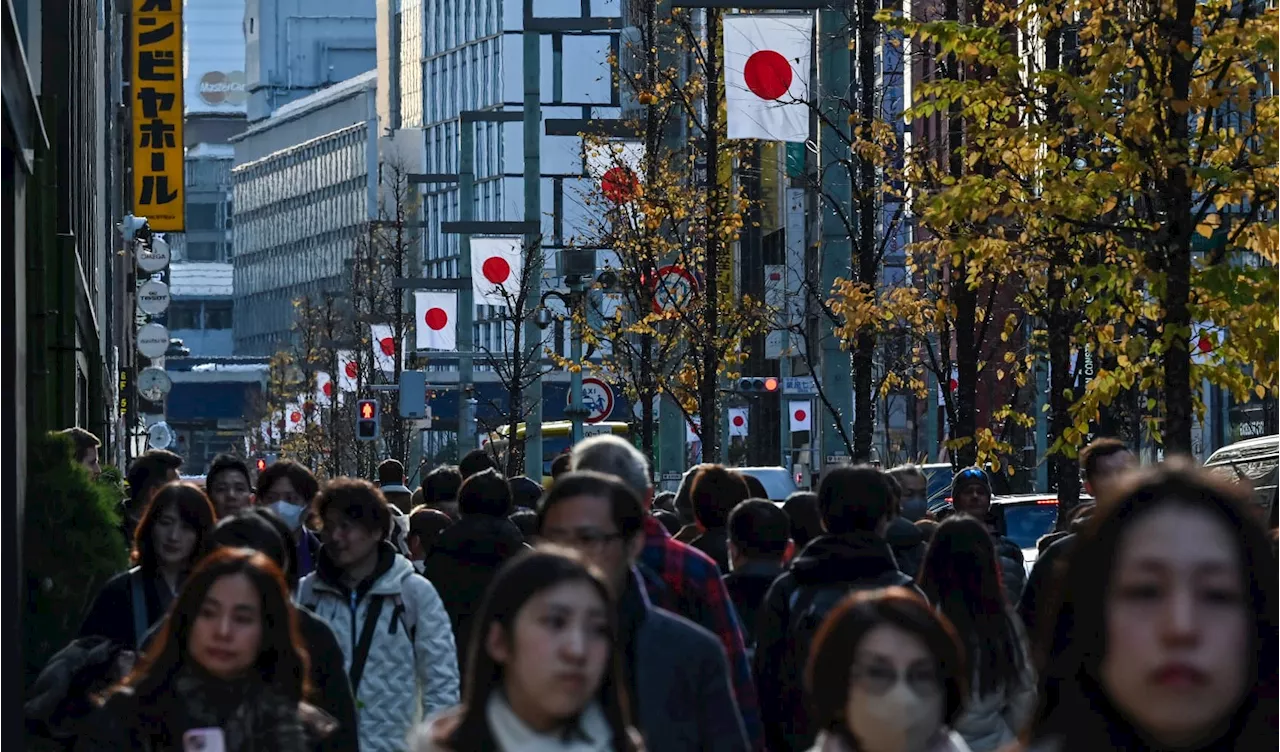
[(771, 384), (368, 410), (262, 464)]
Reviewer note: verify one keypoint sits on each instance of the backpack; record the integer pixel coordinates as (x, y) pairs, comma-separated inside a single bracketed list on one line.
[(400, 615)]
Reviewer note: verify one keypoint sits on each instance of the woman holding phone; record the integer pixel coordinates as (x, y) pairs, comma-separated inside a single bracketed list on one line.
[(227, 673)]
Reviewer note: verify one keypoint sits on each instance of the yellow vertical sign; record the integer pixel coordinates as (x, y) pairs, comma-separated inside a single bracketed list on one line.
[(158, 187)]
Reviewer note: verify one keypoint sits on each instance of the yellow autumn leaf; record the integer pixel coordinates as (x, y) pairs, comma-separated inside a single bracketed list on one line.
[(1260, 390)]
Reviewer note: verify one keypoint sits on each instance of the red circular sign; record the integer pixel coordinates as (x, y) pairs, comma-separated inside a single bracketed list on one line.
[(437, 318), (954, 385), (388, 346), (801, 415), (327, 389), (295, 417), (597, 398), (674, 286), (352, 370), (738, 421), (768, 74), (1205, 344), (619, 185), (495, 269)]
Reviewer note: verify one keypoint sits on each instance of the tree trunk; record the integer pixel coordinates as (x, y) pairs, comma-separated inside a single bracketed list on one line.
[(708, 388), (1177, 200), (865, 261)]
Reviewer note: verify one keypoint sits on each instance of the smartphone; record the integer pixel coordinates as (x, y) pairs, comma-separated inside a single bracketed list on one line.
[(204, 740)]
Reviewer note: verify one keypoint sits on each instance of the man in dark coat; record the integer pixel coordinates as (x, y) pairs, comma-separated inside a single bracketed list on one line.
[(856, 504), (759, 535), (677, 671), (715, 493), (467, 555), (971, 495)]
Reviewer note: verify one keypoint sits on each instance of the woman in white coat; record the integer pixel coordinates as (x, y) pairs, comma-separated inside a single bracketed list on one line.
[(393, 628)]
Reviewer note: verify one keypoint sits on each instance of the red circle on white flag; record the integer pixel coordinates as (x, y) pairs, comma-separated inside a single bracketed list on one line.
[(437, 318), (768, 74), (495, 269), (352, 370), (327, 389), (619, 184), (1205, 344), (801, 415), (388, 346), (738, 421), (295, 417), (954, 385)]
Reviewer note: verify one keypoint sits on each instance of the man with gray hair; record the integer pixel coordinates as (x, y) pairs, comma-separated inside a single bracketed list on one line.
[(688, 581)]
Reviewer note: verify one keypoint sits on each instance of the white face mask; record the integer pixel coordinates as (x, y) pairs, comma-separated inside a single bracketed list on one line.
[(290, 513), (897, 721)]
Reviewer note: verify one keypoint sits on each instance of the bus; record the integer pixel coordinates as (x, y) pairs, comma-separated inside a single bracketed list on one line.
[(1254, 462), (556, 440)]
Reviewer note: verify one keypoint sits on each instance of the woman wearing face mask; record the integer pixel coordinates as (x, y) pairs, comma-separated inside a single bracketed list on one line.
[(1165, 637), (544, 671), (227, 669), (171, 537), (886, 674), (287, 489), (961, 577)]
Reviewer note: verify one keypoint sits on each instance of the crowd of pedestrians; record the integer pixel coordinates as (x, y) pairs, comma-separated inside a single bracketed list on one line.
[(480, 612)]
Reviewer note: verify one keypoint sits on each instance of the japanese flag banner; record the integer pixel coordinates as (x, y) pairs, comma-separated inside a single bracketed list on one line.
[(437, 320), (766, 76), (293, 419), (738, 421), (801, 419), (692, 426), (348, 371), (324, 389), (617, 169), (495, 271), (384, 347)]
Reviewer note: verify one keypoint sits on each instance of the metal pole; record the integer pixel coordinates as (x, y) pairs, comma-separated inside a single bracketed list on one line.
[(837, 248), (466, 301), (576, 410), (533, 240)]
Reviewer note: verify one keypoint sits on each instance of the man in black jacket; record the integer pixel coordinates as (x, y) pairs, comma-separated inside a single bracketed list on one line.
[(856, 506), (971, 495), (467, 554), (716, 491), (759, 535)]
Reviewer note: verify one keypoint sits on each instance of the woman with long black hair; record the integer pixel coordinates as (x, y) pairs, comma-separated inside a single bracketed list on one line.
[(544, 671), (228, 669), (960, 575), (1165, 637)]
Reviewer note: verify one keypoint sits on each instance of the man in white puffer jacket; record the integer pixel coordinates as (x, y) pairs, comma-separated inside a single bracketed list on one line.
[(395, 634)]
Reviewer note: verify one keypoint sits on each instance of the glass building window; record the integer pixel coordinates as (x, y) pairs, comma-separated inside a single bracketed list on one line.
[(217, 315), (203, 251), (202, 217), (184, 315)]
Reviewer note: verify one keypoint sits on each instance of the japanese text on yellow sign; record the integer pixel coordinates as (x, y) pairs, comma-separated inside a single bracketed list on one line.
[(157, 113)]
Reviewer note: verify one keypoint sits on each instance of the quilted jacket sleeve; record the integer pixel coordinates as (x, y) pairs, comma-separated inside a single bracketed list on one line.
[(435, 653)]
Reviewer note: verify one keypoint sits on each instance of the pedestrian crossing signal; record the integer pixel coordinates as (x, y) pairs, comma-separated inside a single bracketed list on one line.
[(367, 422)]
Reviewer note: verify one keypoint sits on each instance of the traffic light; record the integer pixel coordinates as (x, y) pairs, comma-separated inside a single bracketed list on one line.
[(758, 384), (367, 420), (262, 465)]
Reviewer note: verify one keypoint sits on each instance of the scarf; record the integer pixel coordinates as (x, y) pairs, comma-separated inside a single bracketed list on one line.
[(253, 716), (590, 734)]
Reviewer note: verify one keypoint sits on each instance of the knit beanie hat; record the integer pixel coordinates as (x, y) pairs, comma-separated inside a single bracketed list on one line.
[(970, 476)]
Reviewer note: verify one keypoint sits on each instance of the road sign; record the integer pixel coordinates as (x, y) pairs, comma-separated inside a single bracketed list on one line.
[(799, 385), (153, 297), (597, 400), (154, 383), (159, 435), (675, 286), (153, 340), (637, 408)]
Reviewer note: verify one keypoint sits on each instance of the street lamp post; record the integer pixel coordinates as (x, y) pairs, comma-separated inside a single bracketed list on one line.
[(572, 300)]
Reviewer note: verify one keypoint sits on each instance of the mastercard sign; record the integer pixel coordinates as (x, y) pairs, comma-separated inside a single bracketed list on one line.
[(219, 88)]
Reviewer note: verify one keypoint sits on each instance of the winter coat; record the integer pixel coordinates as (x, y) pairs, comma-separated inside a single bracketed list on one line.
[(463, 561), (714, 542), (252, 716), (908, 544), (60, 701), (509, 734), (1013, 569), (679, 679), (111, 614), (411, 669), (1037, 594), (828, 568), (947, 742), (747, 586), (992, 720)]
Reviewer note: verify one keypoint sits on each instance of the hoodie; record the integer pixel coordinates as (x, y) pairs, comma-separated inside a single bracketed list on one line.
[(828, 569), (463, 562)]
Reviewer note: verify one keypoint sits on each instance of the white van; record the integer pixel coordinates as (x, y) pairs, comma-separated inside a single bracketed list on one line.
[(1255, 462)]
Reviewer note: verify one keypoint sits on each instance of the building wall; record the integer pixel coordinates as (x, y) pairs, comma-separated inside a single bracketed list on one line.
[(297, 47), (304, 189)]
